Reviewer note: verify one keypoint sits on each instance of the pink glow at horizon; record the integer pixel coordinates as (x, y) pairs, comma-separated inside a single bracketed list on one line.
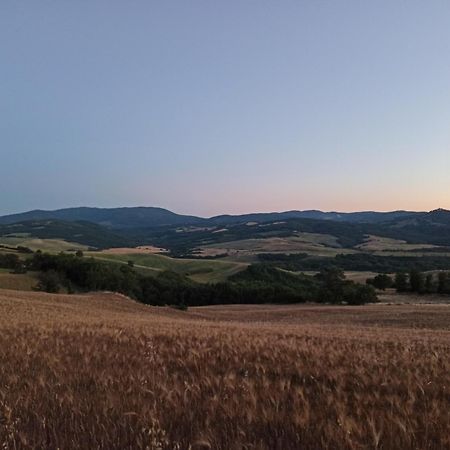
[(210, 108)]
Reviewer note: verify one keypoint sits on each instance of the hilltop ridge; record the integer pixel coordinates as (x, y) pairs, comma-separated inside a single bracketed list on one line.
[(143, 216)]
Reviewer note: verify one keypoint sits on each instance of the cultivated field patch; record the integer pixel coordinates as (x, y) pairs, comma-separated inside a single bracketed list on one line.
[(382, 244), (146, 249), (20, 282), (47, 245), (310, 243)]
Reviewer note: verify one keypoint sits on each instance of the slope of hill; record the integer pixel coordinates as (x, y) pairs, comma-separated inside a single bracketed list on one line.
[(355, 217), (428, 228), (85, 233), (201, 271), (109, 217)]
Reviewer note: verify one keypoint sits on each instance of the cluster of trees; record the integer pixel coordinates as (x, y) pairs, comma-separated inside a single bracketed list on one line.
[(8, 260), (257, 284), (422, 283), (381, 281), (414, 281), (13, 262), (358, 261), (328, 286)]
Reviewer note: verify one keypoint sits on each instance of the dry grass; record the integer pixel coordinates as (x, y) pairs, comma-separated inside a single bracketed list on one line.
[(47, 245), (21, 282), (353, 275), (359, 276), (134, 250), (382, 244), (100, 371)]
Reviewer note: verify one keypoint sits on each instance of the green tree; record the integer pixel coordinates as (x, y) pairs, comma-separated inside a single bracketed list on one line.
[(381, 281), (359, 294), (416, 281), (49, 282), (443, 283), (401, 282), (429, 283), (333, 281)]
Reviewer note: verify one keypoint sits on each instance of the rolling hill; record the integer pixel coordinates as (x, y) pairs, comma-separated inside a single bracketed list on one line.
[(182, 235), (354, 217), (421, 229), (109, 217), (85, 233)]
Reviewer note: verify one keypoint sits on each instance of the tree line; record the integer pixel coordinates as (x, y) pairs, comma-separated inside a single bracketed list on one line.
[(414, 281), (259, 283), (358, 262)]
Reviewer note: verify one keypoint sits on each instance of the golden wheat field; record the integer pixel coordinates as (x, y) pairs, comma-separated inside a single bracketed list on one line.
[(103, 372)]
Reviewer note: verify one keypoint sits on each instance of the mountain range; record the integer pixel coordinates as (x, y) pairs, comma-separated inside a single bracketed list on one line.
[(145, 217), (117, 227)]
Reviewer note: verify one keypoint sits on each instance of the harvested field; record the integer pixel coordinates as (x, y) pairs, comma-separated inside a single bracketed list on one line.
[(382, 244), (134, 250), (101, 371), (22, 282), (359, 276)]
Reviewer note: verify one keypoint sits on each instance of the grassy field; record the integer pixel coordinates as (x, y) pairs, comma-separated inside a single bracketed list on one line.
[(378, 243), (20, 282), (46, 245), (101, 371), (203, 271), (383, 246)]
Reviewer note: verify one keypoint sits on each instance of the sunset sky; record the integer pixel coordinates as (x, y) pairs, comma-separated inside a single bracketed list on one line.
[(208, 107)]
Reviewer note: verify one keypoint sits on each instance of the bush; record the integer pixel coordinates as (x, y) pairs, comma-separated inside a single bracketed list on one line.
[(359, 294), (180, 307), (49, 282), (381, 281), (401, 282)]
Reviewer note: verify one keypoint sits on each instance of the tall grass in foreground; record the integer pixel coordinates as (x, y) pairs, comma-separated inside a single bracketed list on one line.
[(164, 382)]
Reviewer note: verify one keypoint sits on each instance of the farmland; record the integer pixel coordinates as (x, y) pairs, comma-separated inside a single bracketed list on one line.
[(246, 249), (101, 371), (48, 245), (20, 282), (198, 270)]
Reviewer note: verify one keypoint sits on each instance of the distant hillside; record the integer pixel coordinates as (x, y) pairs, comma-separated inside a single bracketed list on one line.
[(118, 227), (429, 228), (109, 217), (85, 233), (356, 217), (417, 228), (146, 217)]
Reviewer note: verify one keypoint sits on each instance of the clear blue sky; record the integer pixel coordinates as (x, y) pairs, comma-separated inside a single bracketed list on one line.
[(210, 107)]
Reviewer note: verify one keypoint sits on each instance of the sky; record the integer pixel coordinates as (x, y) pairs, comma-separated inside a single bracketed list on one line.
[(211, 107)]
